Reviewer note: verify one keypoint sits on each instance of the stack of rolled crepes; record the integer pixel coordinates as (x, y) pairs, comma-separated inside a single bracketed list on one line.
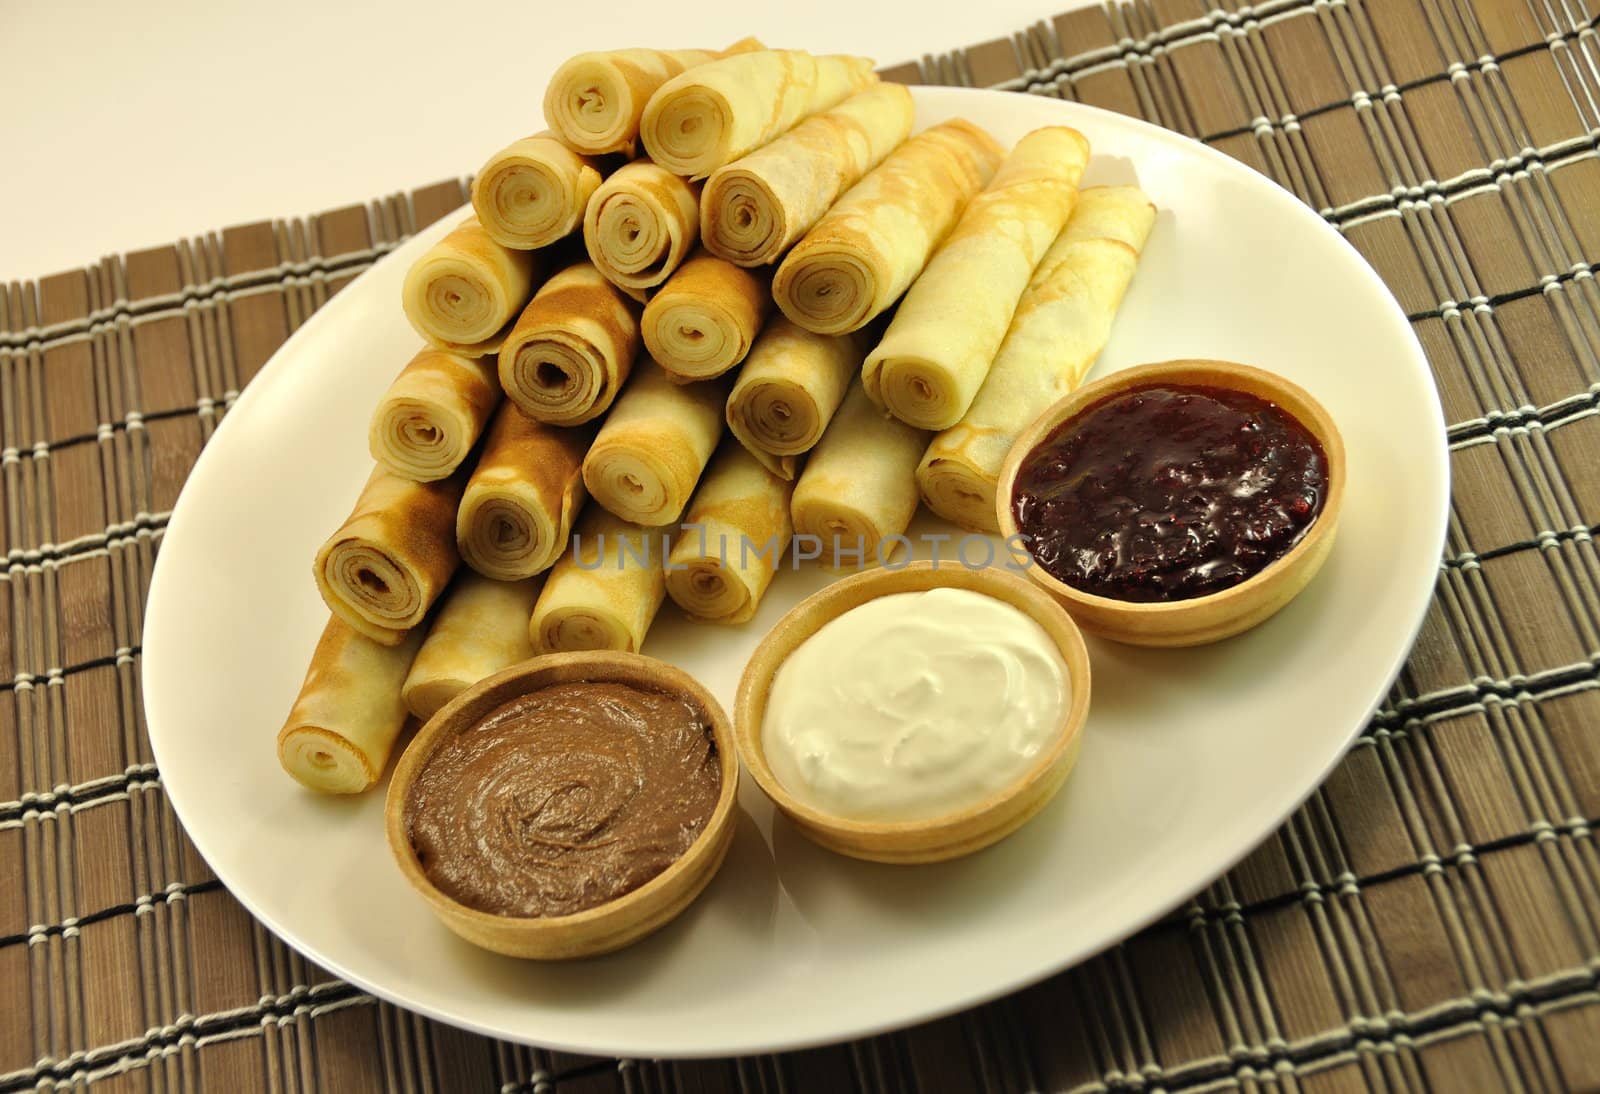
[(788, 390), (571, 349), (519, 505), (1060, 327), (699, 391), (432, 414), (868, 248), (733, 538), (465, 290), (937, 350)]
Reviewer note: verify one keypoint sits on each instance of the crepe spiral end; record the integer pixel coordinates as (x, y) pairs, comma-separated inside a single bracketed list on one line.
[(571, 629), (959, 494), (707, 590), (558, 378), (424, 700), (633, 485), (411, 440), (743, 221), (591, 106), (631, 243), (454, 302), (842, 532), (829, 293), (686, 132), (501, 538), (526, 204), (695, 339), (779, 418), (917, 392), (369, 590), (324, 761)]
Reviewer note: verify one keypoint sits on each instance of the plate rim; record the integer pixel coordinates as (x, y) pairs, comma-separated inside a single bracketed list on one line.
[(935, 97)]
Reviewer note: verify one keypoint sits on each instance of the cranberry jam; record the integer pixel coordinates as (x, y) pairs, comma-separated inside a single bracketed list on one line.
[(1169, 492)]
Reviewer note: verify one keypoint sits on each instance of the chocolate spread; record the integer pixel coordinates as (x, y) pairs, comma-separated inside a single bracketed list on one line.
[(564, 799)]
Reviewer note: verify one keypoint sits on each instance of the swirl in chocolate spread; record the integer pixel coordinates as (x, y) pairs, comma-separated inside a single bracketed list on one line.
[(564, 799)]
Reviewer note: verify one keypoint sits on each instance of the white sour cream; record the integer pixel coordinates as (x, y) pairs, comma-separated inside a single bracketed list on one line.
[(914, 705)]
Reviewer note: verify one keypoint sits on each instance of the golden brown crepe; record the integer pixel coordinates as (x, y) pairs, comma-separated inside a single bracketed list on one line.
[(715, 113), (595, 100), (732, 540), (704, 319), (393, 556), (519, 504), (937, 350), (533, 191), (654, 445), (640, 225), (571, 349), (873, 243), (1060, 327), (756, 207), (859, 487), (480, 628), (348, 715), (788, 390), (432, 414), (605, 591), (465, 290)]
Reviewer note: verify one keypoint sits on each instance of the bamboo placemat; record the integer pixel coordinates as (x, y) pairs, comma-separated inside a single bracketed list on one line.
[(1430, 920)]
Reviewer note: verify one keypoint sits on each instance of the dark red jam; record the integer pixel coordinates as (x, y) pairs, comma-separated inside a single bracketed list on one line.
[(1169, 492)]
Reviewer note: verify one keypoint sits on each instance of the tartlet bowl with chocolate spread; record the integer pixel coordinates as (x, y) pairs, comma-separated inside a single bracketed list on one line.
[(1175, 504), (567, 806)]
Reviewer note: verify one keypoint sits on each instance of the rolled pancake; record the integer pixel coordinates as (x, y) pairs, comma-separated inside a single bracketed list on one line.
[(704, 320), (938, 348), (756, 207), (715, 113), (465, 290), (595, 100), (393, 556), (654, 445), (480, 628), (788, 390), (868, 248), (348, 715), (571, 349), (534, 191), (640, 225), (859, 487), (732, 540), (432, 415), (1059, 329), (605, 591), (522, 497)]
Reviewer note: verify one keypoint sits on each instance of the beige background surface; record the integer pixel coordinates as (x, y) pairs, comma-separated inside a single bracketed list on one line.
[(298, 105)]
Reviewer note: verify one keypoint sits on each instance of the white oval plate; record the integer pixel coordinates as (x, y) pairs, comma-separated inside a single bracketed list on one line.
[(1190, 757)]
